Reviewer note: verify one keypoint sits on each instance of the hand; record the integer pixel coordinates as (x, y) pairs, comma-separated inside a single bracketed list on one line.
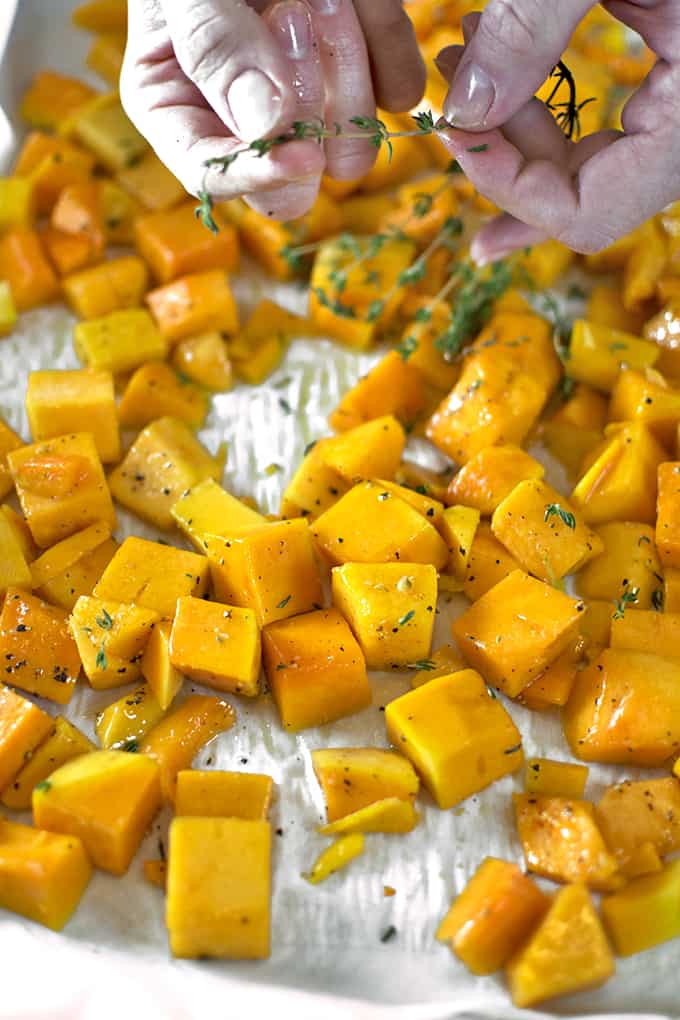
[(585, 194), (201, 77)]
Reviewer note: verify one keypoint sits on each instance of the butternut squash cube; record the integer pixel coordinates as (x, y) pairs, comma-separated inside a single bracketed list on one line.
[(52, 164), (174, 242), (217, 794), (545, 262), (668, 506), (489, 563), (217, 644), (24, 266), (21, 532), (352, 778), (113, 286), (120, 211), (567, 953), (647, 631), (155, 390), (16, 203), (14, 570), (392, 387), (197, 303), (553, 686), (457, 527), (671, 590), (153, 575), (150, 183), (389, 815), (496, 911), (107, 799), (177, 738), (371, 450), (51, 97), (42, 875), (625, 709), (101, 16), (120, 341), (315, 669), (9, 441), (490, 476), (122, 725), (514, 631), (63, 743), (164, 461), (604, 308), (628, 561), (8, 312), (208, 510), (644, 266), (205, 360), (23, 726), (633, 815), (157, 669), (459, 738), (647, 397), (561, 841), (103, 127), (390, 608), (61, 487), (370, 525), (270, 569), (111, 637), (597, 354), (55, 560), (427, 507), (444, 660), (645, 913), (80, 577), (58, 402), (547, 778), (314, 487), (219, 888), (38, 653)]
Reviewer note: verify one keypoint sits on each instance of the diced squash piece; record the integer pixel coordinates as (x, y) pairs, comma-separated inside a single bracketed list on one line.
[(553, 686), (164, 461), (58, 558), (21, 532), (561, 841), (353, 778), (567, 953), (80, 577), (668, 508), (8, 313), (153, 575), (389, 815), (107, 799), (266, 321), (120, 341), (644, 267), (198, 303), (490, 476), (371, 450), (543, 263), (597, 353), (632, 816), (51, 97), (216, 644), (671, 594), (647, 631), (77, 212), (217, 794), (113, 286), (64, 742), (208, 510), (270, 569), (150, 183), (37, 651), (67, 252), (101, 16), (514, 631), (51, 164), (640, 396), (314, 487), (177, 738), (459, 738), (58, 402), (370, 525), (120, 212), (122, 725), (105, 56), (625, 709), (24, 266), (157, 669), (42, 875), (392, 387), (629, 562), (175, 242), (111, 637), (103, 127), (489, 563), (14, 570), (23, 726), (457, 527), (568, 445), (154, 391), (427, 507), (335, 857), (17, 203), (496, 911), (315, 669), (205, 360), (9, 441), (61, 487), (442, 661), (390, 608), (219, 888), (645, 913), (548, 778), (604, 308)]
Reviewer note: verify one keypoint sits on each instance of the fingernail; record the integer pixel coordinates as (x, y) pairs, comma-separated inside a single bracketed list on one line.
[(446, 62), (324, 6), (255, 104), (292, 26), (470, 97)]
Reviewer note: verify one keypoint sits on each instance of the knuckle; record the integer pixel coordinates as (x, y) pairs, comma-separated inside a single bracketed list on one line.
[(206, 49), (513, 26)]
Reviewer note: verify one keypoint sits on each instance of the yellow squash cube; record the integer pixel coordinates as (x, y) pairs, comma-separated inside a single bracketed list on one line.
[(153, 576), (63, 743), (629, 561), (61, 487), (597, 354), (219, 888), (671, 590), (23, 726), (80, 577), (646, 631), (216, 644), (458, 526), (352, 778), (116, 284), (390, 608), (14, 570), (9, 441), (103, 127), (219, 794), (315, 668), (648, 398), (668, 508), (58, 558), (36, 649), (514, 631), (389, 815), (392, 387), (567, 953), (151, 184), (489, 563), (542, 532), (314, 487), (8, 311), (270, 569), (106, 798), (427, 507), (204, 359), (111, 637), (17, 204), (80, 401), (645, 913), (122, 725), (545, 777), (42, 874), (553, 686), (164, 461), (371, 450), (156, 390), (208, 509), (157, 669), (120, 341), (459, 738), (632, 816), (490, 476), (444, 660)]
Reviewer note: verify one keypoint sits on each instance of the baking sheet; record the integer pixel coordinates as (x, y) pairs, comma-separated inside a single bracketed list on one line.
[(327, 961)]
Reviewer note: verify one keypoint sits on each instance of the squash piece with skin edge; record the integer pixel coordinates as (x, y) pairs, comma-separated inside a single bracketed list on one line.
[(157, 669), (645, 913), (107, 799), (63, 743), (545, 777), (58, 402), (217, 794), (36, 647), (338, 855), (23, 726), (498, 908), (568, 952), (216, 644), (122, 725), (459, 738), (632, 815), (209, 510), (489, 477), (352, 778), (390, 815), (111, 637)]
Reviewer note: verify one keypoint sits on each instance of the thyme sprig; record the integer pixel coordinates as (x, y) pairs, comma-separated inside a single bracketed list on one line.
[(555, 510), (474, 303), (629, 596)]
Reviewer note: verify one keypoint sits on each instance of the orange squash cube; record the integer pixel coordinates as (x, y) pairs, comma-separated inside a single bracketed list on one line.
[(370, 450), (24, 266), (67, 252), (489, 562), (646, 397), (645, 913), (647, 631), (629, 562), (352, 778), (111, 287), (207, 510), (150, 183), (632, 816), (553, 686), (77, 211), (205, 360), (101, 16), (216, 644), (392, 387), (38, 653), (153, 391), (9, 441), (668, 509), (111, 637), (79, 577), (194, 304), (597, 354), (51, 98), (174, 243), (52, 164), (64, 742), (490, 476), (22, 727), (217, 794)]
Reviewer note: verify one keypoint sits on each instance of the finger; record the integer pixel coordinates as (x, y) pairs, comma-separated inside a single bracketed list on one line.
[(657, 23), (349, 90), (510, 54), (396, 63), (500, 237), (227, 51)]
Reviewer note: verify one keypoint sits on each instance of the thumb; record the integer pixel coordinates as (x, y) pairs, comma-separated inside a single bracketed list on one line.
[(515, 45)]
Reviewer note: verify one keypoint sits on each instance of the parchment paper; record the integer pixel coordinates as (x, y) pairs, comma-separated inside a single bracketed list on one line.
[(328, 961)]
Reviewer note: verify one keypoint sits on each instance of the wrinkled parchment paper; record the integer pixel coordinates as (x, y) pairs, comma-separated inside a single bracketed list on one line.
[(328, 961)]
